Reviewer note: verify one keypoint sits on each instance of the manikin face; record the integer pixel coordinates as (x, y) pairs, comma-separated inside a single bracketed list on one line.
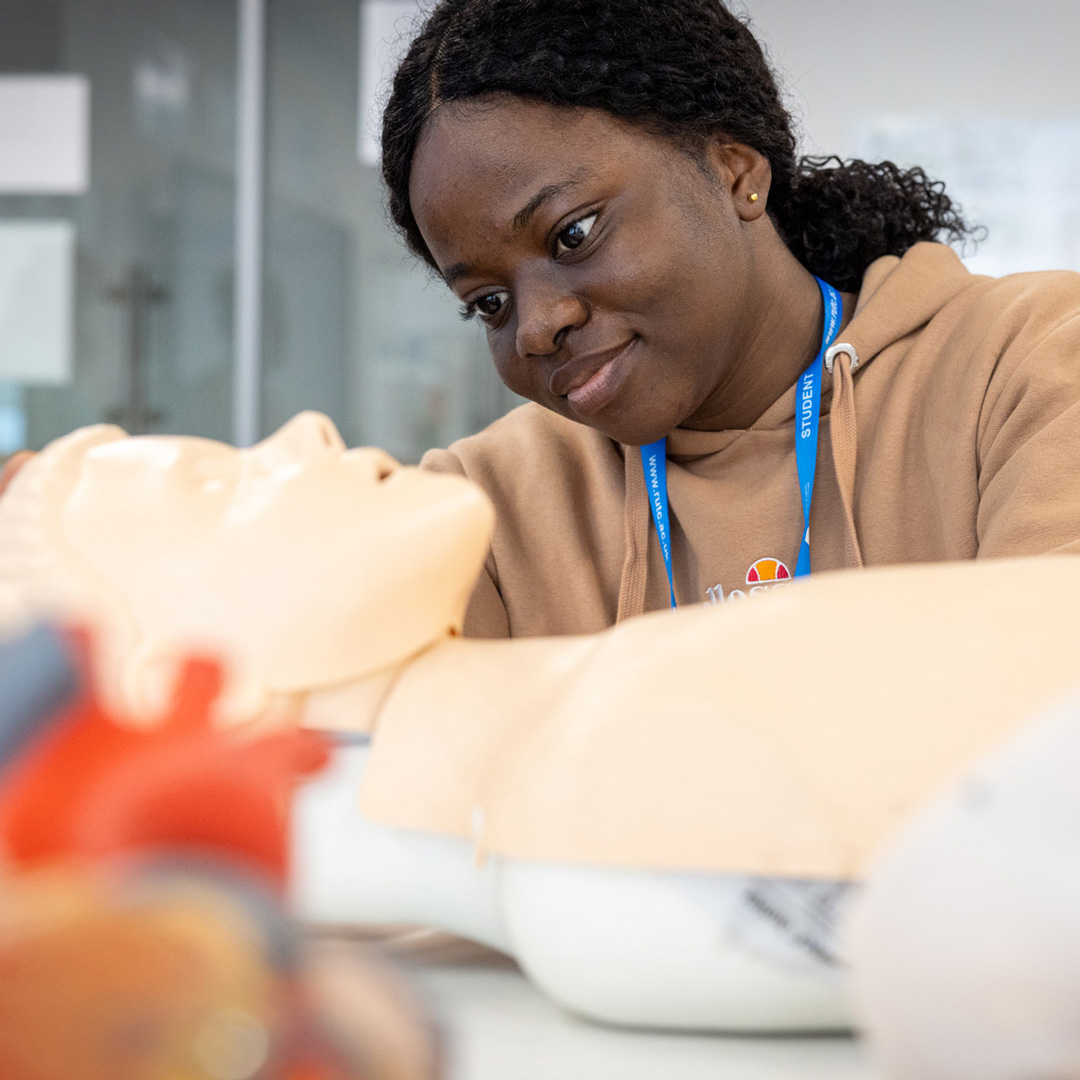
[(317, 563), (611, 270)]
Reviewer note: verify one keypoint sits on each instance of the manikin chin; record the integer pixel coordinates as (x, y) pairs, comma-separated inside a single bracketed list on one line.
[(659, 821)]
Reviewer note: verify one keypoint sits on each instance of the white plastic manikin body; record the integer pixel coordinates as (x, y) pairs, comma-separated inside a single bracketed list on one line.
[(630, 947)]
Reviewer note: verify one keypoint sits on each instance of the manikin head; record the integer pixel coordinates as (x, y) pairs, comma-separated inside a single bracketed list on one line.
[(307, 565)]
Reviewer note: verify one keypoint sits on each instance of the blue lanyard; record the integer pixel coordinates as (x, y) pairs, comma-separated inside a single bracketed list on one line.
[(807, 415), (654, 462)]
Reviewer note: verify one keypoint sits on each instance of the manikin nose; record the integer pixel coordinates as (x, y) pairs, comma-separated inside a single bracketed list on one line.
[(306, 436), (370, 459)]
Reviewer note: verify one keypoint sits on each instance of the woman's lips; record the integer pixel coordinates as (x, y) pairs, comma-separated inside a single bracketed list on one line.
[(600, 388)]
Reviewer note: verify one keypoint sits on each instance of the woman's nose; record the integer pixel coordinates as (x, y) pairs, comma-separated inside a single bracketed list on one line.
[(544, 320)]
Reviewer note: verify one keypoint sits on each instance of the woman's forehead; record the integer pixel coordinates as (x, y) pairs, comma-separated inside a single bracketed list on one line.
[(501, 144), (482, 164)]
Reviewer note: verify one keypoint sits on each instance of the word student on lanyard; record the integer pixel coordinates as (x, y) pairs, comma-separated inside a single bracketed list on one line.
[(808, 409)]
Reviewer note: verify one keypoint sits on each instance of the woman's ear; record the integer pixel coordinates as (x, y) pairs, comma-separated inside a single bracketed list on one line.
[(743, 171)]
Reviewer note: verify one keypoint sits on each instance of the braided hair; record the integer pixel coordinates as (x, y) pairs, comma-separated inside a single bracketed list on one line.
[(685, 69)]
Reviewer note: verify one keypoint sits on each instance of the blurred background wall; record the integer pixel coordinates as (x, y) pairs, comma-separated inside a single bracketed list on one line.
[(118, 270)]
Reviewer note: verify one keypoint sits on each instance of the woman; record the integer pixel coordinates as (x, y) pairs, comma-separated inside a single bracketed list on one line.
[(612, 188)]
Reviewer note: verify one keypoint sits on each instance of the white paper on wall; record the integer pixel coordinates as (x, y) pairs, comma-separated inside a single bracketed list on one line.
[(1018, 177), (37, 271), (44, 134), (386, 28)]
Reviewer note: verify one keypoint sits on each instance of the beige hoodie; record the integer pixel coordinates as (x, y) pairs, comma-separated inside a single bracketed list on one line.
[(957, 436)]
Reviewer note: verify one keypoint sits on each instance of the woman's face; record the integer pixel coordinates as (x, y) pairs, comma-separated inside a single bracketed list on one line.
[(612, 271)]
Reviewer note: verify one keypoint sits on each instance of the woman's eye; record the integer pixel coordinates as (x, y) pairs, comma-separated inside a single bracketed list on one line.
[(574, 235), (487, 306)]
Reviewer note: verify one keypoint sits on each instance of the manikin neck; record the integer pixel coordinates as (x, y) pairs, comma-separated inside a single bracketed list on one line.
[(470, 677)]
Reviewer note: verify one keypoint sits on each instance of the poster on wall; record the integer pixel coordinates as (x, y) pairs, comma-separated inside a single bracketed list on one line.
[(37, 264), (1018, 178), (44, 134)]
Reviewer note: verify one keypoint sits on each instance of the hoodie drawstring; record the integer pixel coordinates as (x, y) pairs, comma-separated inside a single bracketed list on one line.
[(842, 436), (637, 520)]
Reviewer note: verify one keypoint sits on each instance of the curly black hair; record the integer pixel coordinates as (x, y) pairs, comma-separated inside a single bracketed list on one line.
[(686, 69)]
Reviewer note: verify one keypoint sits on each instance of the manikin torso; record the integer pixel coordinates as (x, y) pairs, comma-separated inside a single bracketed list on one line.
[(657, 820)]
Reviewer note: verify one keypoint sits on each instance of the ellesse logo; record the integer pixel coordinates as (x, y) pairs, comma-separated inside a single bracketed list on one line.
[(764, 574), (767, 570)]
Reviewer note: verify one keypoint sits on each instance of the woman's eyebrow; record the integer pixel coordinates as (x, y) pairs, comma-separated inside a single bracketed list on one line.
[(524, 216), (548, 191), (458, 270)]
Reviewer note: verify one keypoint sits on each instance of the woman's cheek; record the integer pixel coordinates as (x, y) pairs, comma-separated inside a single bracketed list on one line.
[(622, 278), (517, 374)]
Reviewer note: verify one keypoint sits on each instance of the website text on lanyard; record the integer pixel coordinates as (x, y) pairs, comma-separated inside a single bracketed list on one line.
[(808, 417)]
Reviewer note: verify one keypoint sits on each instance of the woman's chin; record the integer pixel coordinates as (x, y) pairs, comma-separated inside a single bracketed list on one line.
[(630, 430)]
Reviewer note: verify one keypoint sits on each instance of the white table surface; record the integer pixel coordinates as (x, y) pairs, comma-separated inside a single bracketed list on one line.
[(499, 1027)]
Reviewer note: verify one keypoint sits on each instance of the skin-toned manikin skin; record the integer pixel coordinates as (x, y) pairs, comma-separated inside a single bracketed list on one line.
[(307, 564), (623, 282)]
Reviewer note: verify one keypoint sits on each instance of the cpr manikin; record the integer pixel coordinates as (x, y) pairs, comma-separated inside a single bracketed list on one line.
[(657, 821)]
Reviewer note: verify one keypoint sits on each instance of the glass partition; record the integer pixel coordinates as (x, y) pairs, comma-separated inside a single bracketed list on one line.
[(353, 325), (151, 254), (137, 262)]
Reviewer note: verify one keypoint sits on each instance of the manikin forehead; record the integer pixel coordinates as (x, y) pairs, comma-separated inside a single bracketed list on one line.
[(307, 438), (138, 468), (157, 451), (293, 485)]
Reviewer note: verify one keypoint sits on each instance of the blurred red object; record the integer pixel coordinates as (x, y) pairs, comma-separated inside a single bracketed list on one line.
[(93, 788), (154, 968)]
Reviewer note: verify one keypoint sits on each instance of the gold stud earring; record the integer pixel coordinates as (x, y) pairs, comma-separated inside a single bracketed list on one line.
[(754, 197)]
